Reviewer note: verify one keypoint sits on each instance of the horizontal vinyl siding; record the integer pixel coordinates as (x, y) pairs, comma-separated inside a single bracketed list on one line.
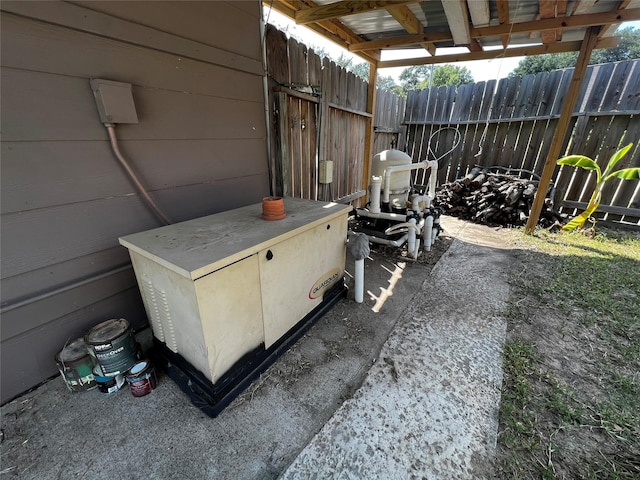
[(44, 106), (199, 147), (95, 56), (194, 19), (45, 279), (97, 175)]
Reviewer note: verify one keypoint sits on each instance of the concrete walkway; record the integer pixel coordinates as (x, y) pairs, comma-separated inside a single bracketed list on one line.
[(428, 407), (405, 385)]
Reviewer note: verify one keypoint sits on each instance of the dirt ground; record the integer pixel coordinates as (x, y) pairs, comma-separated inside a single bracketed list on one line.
[(574, 382)]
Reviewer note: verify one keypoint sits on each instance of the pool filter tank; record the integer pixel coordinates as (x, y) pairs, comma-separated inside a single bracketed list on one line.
[(400, 184)]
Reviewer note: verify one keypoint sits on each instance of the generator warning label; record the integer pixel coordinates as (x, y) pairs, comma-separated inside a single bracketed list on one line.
[(325, 282)]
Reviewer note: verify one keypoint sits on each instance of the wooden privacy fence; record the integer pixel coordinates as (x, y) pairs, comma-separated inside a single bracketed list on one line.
[(319, 113), (511, 124)]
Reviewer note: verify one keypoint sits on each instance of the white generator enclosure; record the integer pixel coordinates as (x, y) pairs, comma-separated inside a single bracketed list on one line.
[(226, 293)]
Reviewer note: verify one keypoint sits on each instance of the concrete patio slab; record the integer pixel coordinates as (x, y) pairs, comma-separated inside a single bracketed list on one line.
[(428, 407)]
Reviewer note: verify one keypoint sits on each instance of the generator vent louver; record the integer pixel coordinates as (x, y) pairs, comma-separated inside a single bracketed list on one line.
[(159, 313)]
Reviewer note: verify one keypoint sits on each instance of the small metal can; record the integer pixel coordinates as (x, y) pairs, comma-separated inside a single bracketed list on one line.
[(141, 378)]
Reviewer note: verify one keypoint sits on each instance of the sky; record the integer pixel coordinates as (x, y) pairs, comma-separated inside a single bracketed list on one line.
[(482, 70)]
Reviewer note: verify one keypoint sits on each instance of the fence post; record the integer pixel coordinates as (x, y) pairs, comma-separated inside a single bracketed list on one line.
[(368, 134), (586, 48)]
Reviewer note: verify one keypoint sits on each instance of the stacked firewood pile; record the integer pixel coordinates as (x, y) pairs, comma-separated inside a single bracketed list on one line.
[(493, 198)]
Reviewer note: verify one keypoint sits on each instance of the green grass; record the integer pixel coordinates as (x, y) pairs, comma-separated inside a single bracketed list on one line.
[(593, 284)]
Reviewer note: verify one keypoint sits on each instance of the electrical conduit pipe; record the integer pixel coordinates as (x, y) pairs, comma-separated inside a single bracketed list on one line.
[(132, 175)]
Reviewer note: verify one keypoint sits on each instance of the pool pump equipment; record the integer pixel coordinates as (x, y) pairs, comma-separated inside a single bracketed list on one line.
[(398, 212)]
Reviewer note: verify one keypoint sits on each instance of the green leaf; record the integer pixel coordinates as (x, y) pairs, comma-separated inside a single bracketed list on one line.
[(626, 174), (615, 158), (579, 161)]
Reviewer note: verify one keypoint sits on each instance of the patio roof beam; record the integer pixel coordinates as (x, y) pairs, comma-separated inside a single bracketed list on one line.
[(588, 44), (547, 9), (342, 9), (561, 47), (400, 41), (458, 20), (474, 46), (410, 23), (503, 18), (611, 29), (331, 29), (575, 21), (479, 12)]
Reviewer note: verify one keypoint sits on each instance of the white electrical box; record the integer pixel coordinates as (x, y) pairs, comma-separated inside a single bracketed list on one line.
[(220, 287)]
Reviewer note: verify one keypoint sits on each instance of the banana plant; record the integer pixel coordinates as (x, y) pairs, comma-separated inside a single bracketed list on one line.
[(585, 162)]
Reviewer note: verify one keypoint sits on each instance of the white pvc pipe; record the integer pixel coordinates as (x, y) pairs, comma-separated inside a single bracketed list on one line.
[(394, 243), (394, 169), (415, 253), (427, 234), (411, 241), (415, 202), (433, 164), (359, 278), (397, 217), (374, 203), (406, 225), (433, 178)]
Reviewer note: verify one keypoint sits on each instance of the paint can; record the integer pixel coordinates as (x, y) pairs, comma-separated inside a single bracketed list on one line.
[(113, 346), (76, 366), (107, 384), (141, 378)]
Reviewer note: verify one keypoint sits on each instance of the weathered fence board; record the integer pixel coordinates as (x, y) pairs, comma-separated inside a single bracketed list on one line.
[(508, 123), (388, 116), (320, 114), (512, 123)]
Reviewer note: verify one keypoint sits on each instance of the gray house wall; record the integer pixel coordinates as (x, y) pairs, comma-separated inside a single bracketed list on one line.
[(200, 148)]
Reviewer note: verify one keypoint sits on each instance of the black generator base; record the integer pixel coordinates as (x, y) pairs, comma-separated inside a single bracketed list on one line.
[(213, 398)]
